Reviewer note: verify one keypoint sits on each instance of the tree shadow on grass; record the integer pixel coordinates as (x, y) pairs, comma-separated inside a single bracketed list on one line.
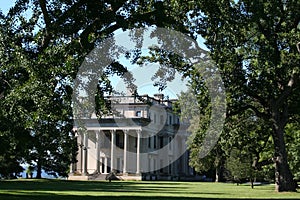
[(60, 189), (42, 196), (53, 189), (92, 186), (70, 185)]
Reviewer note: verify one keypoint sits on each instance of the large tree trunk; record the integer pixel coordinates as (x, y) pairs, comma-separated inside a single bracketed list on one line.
[(219, 174), (283, 177), (39, 170)]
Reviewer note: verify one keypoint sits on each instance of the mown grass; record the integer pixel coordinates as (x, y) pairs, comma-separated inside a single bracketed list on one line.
[(61, 189)]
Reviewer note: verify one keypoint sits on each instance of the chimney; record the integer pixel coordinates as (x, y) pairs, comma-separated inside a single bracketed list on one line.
[(131, 90), (159, 96), (128, 91)]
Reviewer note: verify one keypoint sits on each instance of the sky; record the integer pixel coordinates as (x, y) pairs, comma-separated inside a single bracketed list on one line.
[(5, 5)]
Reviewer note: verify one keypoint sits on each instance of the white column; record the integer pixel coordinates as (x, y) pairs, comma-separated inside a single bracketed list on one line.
[(138, 151), (72, 168), (98, 152), (85, 153), (185, 157), (100, 163), (105, 165), (80, 153), (112, 150), (125, 152)]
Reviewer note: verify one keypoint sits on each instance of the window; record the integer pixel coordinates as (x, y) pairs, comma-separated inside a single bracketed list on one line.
[(170, 144), (149, 164), (118, 165), (170, 120), (161, 169), (154, 118), (138, 113), (154, 142), (170, 167), (120, 140), (149, 142), (161, 119), (161, 142)]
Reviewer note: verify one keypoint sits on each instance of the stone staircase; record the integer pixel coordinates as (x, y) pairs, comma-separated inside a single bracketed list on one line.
[(102, 177), (97, 177)]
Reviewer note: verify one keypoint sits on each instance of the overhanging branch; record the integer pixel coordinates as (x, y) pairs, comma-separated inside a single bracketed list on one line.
[(244, 108), (258, 165)]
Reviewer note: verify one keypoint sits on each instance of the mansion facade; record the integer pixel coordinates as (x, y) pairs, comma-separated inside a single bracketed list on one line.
[(143, 140)]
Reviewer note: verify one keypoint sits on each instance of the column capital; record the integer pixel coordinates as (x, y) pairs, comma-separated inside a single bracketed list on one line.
[(97, 134), (139, 131)]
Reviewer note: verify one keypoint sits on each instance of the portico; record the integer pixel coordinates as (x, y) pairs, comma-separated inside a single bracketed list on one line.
[(107, 149)]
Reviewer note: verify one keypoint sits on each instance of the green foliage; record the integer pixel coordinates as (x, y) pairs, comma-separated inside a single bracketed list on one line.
[(292, 138), (35, 102), (254, 44), (196, 109), (42, 45), (239, 164)]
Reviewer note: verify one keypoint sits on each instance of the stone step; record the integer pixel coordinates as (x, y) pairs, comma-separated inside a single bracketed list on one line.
[(98, 177)]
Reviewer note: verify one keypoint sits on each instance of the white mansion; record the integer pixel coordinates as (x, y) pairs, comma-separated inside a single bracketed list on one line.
[(144, 140)]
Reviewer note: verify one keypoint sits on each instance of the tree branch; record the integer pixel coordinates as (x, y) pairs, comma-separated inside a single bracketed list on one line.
[(244, 108), (45, 12), (47, 20), (50, 27), (256, 97), (258, 165), (288, 89)]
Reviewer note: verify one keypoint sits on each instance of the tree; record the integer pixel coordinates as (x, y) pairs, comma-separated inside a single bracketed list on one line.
[(13, 135), (254, 44), (239, 165), (292, 143), (237, 132), (44, 44), (203, 108), (246, 140)]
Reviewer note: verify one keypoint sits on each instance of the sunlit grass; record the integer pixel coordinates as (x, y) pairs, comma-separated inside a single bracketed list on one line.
[(61, 189)]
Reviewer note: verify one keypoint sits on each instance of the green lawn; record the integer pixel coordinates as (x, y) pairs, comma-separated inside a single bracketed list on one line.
[(59, 189)]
